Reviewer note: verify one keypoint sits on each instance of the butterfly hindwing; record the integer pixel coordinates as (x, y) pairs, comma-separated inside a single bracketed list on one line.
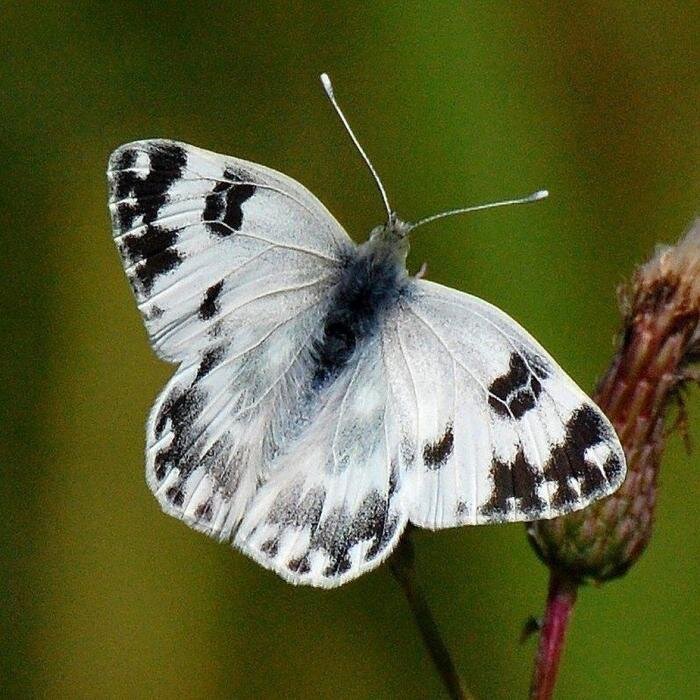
[(220, 419), (330, 509)]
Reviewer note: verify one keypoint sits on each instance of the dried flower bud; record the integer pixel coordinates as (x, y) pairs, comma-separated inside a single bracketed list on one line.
[(661, 338)]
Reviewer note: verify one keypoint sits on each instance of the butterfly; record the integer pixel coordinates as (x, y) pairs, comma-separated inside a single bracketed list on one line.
[(323, 397)]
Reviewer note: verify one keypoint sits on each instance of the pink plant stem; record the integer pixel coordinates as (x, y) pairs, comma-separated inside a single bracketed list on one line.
[(560, 604)]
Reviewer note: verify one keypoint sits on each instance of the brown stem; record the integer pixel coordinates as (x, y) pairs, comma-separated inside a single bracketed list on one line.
[(403, 567), (560, 604)]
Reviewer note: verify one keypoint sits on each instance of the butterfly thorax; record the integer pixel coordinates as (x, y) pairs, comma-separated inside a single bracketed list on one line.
[(369, 285)]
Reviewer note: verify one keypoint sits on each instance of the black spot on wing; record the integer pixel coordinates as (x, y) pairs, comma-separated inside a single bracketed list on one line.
[(393, 479), (270, 547), (153, 248), (515, 486), (123, 217), (177, 420), (209, 306), (179, 411), (612, 467), (339, 531), (126, 158), (463, 510), (514, 379), (523, 401), (204, 511), (437, 453), (146, 272), (334, 538), (233, 216), (166, 166), (214, 205), (210, 359), (301, 565), (154, 240), (557, 470), (380, 528), (584, 429), (123, 181), (153, 312), (149, 193), (526, 480), (516, 392), (502, 489), (224, 204), (175, 495)]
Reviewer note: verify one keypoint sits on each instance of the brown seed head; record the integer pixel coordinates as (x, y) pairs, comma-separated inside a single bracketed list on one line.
[(660, 340)]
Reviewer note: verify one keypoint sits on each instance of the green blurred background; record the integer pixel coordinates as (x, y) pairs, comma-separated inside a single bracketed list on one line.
[(457, 103)]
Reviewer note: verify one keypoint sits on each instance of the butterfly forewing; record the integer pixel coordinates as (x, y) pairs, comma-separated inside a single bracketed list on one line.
[(496, 430), (201, 234), (231, 264)]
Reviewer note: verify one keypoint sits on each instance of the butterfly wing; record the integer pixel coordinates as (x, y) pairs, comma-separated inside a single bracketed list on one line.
[(199, 232), (492, 428), (230, 263), (330, 509)]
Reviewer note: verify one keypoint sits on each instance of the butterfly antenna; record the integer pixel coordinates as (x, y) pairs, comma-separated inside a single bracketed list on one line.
[(534, 197), (328, 87)]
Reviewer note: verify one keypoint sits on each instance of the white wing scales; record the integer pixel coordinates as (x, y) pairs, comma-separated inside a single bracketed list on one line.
[(330, 509), (233, 288)]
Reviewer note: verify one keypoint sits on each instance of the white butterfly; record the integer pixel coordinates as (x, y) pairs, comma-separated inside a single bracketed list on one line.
[(323, 397)]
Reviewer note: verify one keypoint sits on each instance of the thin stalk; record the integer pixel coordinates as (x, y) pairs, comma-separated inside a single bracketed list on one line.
[(403, 567), (560, 604)]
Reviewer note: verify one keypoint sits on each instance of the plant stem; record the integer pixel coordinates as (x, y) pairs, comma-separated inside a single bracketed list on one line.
[(403, 567), (560, 604)]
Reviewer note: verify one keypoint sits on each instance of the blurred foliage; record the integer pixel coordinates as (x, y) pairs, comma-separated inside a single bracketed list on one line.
[(102, 595)]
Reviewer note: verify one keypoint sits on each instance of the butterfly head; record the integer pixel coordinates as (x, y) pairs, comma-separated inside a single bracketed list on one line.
[(393, 230), (390, 240)]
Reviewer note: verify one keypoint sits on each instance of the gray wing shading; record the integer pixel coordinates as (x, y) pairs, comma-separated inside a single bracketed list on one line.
[(492, 429)]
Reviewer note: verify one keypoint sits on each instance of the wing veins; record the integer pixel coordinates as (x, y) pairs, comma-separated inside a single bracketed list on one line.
[(211, 402), (272, 293), (341, 410), (410, 374), (184, 280), (267, 240)]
